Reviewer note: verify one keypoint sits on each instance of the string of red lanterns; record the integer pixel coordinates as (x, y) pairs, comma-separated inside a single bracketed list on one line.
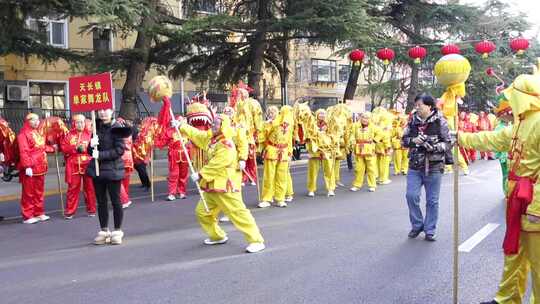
[(417, 53)]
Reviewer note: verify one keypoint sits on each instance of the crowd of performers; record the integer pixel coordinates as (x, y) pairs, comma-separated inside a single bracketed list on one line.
[(223, 149)]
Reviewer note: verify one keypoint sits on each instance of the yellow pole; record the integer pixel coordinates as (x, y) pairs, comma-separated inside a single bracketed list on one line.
[(456, 213)]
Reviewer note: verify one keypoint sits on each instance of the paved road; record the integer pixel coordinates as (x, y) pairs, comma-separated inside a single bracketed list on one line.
[(349, 249)]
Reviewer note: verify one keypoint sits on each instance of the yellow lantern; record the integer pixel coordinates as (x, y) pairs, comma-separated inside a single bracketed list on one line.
[(159, 87), (452, 71)]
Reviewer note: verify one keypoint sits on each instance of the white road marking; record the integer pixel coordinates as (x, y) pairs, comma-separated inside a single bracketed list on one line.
[(478, 237)]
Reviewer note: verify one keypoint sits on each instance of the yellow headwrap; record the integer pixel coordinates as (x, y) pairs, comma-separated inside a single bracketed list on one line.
[(524, 94), (226, 129)]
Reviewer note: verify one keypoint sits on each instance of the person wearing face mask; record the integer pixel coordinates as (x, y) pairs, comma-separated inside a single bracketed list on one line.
[(278, 152), (318, 158), (75, 145), (219, 182), (32, 167), (108, 147), (363, 137), (428, 139)]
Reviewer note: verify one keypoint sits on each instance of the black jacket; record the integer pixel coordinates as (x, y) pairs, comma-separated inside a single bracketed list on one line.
[(433, 156), (111, 148)]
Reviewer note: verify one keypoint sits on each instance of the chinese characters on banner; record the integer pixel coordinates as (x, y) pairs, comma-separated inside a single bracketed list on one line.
[(91, 93)]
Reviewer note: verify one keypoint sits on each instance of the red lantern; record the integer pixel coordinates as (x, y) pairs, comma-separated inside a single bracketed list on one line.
[(417, 53), (386, 55), (357, 56), (485, 47), (519, 45), (450, 49)]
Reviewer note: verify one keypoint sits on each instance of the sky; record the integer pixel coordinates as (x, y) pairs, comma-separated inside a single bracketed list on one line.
[(529, 7)]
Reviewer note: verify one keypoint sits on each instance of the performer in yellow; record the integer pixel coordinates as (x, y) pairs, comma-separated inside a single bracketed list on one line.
[(364, 134), (278, 136), (242, 148), (383, 146), (522, 239), (401, 154), (219, 181), (318, 157)]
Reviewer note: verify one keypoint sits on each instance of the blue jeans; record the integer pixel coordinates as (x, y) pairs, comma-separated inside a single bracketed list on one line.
[(432, 184)]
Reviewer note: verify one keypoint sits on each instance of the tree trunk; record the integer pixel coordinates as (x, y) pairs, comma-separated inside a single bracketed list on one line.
[(258, 48), (137, 69), (352, 83), (413, 88), (285, 72)]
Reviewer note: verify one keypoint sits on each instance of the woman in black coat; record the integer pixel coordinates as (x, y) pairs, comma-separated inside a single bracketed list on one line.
[(108, 148)]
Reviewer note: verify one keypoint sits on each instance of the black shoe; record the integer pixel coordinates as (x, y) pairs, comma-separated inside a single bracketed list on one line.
[(430, 238), (490, 302), (1, 218), (414, 233)]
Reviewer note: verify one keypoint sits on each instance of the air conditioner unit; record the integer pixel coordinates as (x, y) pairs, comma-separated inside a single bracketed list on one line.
[(17, 93)]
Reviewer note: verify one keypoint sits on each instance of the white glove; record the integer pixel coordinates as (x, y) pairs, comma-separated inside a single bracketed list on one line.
[(29, 172), (242, 165), (175, 123), (95, 154), (2, 157), (195, 177), (94, 141)]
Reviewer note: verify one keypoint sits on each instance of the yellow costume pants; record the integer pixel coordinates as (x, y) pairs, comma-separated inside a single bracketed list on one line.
[(516, 270), (313, 172), (232, 205), (276, 175), (383, 165), (290, 190), (401, 161), (337, 170), (362, 166)]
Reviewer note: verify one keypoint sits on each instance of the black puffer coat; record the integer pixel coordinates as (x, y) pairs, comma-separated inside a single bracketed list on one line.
[(111, 148), (435, 128)]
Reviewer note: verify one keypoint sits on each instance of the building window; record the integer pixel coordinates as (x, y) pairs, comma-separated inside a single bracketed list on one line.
[(54, 30), (344, 71), (322, 102), (323, 70), (298, 72), (48, 96), (102, 40), (209, 7)]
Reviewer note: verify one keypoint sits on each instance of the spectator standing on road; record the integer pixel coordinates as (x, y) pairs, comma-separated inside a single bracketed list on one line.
[(428, 139), (108, 147)]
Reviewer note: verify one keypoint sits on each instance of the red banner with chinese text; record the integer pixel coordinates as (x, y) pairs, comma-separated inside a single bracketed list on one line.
[(91, 93)]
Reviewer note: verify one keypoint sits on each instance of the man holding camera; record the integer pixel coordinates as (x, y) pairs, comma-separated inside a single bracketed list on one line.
[(428, 139)]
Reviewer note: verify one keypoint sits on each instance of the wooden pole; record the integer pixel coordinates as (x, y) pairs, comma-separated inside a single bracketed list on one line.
[(456, 212), (59, 183), (94, 132), (152, 173), (186, 154)]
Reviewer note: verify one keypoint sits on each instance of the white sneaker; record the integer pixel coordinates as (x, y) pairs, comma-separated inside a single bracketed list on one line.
[(116, 237), (311, 194), (354, 189), (371, 189), (183, 196), (255, 247), (243, 184), (218, 242), (103, 237), (91, 215), (340, 184), (466, 172), (126, 205), (331, 193), (43, 218), (68, 217), (281, 204), (224, 219), (264, 205), (171, 197), (253, 184), (288, 199), (386, 182), (31, 220)]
